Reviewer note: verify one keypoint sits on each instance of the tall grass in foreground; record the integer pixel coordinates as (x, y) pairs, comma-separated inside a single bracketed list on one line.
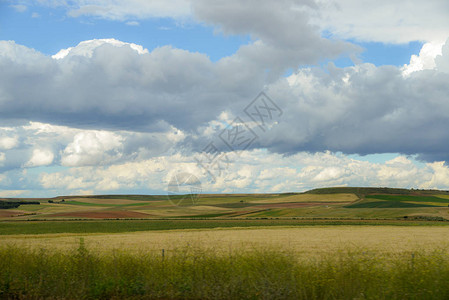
[(190, 273)]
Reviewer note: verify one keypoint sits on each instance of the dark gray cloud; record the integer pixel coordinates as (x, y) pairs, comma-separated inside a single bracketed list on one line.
[(365, 110), (115, 87), (285, 37)]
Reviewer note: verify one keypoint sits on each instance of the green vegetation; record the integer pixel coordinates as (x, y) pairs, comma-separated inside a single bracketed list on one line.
[(15, 204), (410, 198), (116, 226), (127, 197), (73, 202), (325, 203), (386, 204), (189, 273), (361, 191)]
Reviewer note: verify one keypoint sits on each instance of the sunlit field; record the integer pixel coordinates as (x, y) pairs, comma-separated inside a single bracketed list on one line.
[(310, 240), (320, 262), (341, 243)]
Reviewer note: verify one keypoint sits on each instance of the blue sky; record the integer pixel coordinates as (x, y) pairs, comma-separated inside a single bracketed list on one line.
[(52, 30), (145, 85)]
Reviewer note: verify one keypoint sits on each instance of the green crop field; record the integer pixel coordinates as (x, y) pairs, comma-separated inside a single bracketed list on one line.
[(116, 226), (195, 274)]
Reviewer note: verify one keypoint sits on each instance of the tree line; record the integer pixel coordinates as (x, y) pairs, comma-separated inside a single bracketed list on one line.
[(15, 204)]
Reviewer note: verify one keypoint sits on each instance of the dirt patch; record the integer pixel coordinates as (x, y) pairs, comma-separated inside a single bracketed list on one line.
[(113, 214), (309, 198), (6, 213)]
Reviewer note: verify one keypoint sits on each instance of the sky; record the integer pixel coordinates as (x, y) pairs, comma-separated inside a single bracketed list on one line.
[(120, 97)]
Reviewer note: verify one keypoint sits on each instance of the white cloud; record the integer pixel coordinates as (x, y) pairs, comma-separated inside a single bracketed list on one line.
[(363, 109), (42, 144), (386, 21), (399, 21), (272, 173), (439, 176), (442, 60), (40, 157), (86, 48), (2, 159), (425, 60), (8, 142), (125, 9), (91, 148), (19, 7), (132, 23), (141, 114), (175, 97), (12, 193)]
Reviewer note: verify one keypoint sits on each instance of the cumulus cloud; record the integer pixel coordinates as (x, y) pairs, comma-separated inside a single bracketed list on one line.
[(92, 148), (87, 48), (272, 173), (111, 85), (140, 115), (439, 176), (40, 157), (399, 21), (282, 27), (363, 109), (12, 193), (8, 142), (425, 60), (42, 144)]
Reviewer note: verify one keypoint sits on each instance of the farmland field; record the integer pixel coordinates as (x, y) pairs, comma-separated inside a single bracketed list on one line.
[(339, 243), (303, 239), (347, 203), (277, 262)]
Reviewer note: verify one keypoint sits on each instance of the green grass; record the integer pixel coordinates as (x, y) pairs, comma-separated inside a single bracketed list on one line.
[(117, 226), (126, 197), (208, 215), (189, 273), (374, 190), (387, 204), (408, 198), (235, 205), (74, 202)]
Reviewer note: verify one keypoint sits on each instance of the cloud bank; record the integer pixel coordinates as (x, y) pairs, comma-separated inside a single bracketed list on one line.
[(109, 115)]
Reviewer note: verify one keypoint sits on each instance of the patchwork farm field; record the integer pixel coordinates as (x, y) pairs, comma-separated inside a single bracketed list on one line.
[(347, 203), (337, 243)]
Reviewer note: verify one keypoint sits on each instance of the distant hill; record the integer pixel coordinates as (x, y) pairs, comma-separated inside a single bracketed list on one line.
[(362, 191), (323, 203)]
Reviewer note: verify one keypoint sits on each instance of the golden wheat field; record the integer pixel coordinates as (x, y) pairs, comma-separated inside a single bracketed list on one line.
[(307, 240)]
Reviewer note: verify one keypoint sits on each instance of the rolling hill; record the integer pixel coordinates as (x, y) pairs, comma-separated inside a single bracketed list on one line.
[(325, 203)]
